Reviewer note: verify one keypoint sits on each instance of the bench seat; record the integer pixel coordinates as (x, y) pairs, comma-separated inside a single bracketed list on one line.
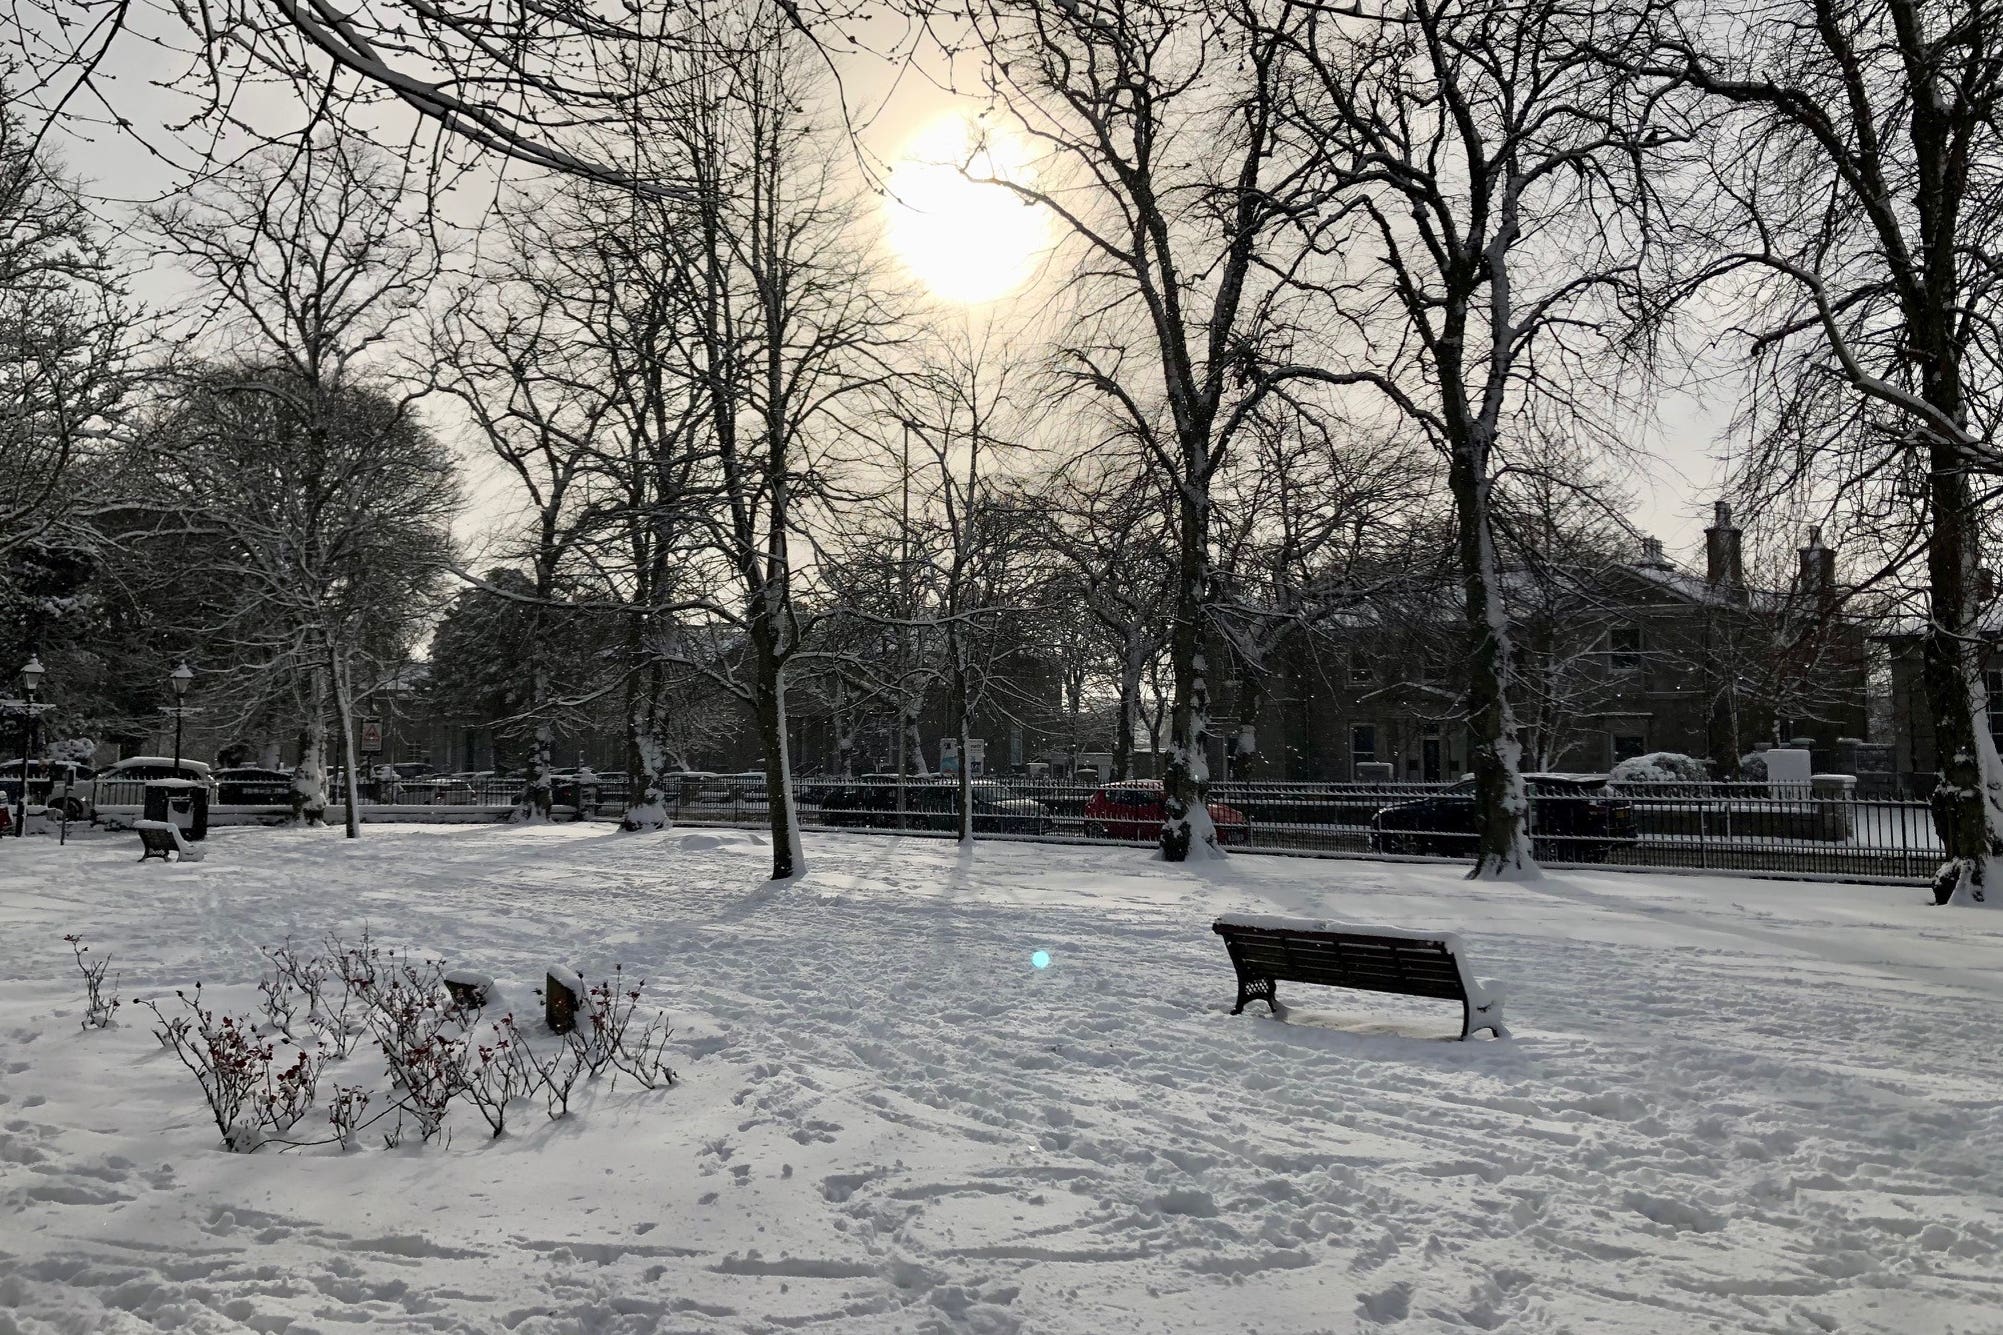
[(1266, 951)]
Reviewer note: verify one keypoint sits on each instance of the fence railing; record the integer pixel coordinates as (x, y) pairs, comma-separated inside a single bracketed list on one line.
[(1822, 828), (1802, 830)]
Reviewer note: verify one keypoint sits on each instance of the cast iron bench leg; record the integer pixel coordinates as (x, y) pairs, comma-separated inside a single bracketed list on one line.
[(1256, 989)]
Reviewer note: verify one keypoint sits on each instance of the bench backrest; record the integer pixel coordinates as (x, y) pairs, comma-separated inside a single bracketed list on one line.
[(157, 839), (1407, 965)]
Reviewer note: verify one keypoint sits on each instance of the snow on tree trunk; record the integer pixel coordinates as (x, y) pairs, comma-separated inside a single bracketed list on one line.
[(539, 792), (1502, 806), (646, 779), (1186, 828), (1967, 799), (537, 795), (309, 777), (1245, 756)]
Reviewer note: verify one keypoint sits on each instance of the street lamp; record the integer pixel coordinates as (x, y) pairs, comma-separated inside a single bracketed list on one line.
[(31, 677), (181, 678)]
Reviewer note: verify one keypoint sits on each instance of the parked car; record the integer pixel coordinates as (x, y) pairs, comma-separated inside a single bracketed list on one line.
[(1573, 818), (692, 785), (54, 784), (428, 790), (1132, 809), (934, 804), (253, 786)]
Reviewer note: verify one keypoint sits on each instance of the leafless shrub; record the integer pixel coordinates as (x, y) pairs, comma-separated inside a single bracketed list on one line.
[(345, 1111), (249, 1099), (98, 1007), (498, 1075)]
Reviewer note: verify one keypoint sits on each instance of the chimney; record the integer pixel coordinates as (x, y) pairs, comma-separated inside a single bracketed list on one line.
[(1651, 554), (1818, 571), (1724, 564)]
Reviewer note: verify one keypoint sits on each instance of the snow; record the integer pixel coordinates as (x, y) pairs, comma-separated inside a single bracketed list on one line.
[(1730, 1105)]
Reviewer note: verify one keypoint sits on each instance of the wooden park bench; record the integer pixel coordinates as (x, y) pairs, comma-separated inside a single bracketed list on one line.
[(1268, 951), (158, 838)]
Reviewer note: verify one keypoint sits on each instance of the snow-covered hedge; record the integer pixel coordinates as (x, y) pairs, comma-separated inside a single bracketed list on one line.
[(1661, 767)]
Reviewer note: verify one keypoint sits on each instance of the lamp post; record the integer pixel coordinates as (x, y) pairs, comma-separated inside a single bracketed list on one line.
[(31, 677), (181, 678)]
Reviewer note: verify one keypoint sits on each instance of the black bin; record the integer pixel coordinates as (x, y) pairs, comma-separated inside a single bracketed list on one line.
[(185, 802)]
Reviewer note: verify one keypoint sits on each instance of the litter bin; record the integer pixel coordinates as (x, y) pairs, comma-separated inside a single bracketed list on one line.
[(185, 802)]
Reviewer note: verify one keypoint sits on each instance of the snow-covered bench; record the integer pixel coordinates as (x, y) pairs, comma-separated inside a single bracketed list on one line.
[(158, 838), (1267, 951)]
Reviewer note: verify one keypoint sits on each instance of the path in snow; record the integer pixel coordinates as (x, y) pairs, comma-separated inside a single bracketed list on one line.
[(1732, 1105)]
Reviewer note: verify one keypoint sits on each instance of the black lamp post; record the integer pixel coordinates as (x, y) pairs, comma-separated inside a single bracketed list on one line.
[(181, 677), (31, 677)]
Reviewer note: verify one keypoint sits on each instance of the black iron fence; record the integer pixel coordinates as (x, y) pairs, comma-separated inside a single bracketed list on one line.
[(1818, 828), (1821, 828)]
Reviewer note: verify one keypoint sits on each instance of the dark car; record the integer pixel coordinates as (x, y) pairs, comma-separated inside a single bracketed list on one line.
[(933, 803), (1132, 809), (253, 786), (1572, 819)]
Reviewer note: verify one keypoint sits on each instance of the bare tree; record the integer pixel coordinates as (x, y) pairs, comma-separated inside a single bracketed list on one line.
[(1307, 519), (1162, 124), (1114, 529), (307, 264), (317, 519), (969, 398), (65, 342), (1485, 160), (788, 335), (510, 351), (1854, 151), (532, 82)]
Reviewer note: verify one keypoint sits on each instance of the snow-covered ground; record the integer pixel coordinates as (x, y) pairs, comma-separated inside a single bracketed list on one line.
[(1729, 1105)]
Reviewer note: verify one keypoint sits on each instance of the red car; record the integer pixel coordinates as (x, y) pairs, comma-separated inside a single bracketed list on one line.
[(1132, 810)]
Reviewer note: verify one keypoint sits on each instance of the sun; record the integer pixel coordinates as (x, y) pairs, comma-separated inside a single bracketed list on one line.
[(966, 240)]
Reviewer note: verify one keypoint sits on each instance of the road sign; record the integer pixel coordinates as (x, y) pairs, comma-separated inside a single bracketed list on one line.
[(372, 737)]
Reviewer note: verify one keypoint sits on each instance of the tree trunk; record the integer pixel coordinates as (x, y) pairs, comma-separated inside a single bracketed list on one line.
[(1965, 799), (845, 725), (1245, 757), (956, 697), (344, 715), (309, 777), (1129, 706), (1186, 827), (1502, 846), (769, 704)]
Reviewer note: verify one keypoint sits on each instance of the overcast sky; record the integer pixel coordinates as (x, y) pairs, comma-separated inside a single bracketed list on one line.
[(1674, 482)]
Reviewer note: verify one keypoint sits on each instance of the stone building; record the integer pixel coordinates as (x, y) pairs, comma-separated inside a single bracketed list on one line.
[(1615, 658)]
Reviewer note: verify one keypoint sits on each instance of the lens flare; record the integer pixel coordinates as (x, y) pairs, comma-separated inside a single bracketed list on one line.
[(1041, 959)]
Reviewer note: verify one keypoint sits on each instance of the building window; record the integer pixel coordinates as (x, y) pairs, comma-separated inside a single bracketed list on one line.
[(1624, 648), (1360, 668), (1627, 746), (1363, 742)]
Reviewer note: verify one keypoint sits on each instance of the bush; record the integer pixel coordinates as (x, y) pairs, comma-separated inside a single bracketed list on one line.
[(321, 1003), (1661, 767)]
